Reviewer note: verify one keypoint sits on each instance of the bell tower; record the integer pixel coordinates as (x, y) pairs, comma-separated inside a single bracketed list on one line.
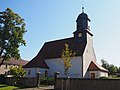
[(82, 28)]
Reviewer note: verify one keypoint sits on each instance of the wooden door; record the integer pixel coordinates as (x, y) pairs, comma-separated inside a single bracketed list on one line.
[(92, 75)]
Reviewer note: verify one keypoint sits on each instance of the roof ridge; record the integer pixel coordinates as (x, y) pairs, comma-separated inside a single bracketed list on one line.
[(59, 40), (99, 66)]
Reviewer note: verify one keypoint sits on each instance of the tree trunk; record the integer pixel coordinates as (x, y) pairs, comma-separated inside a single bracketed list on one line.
[(2, 59), (2, 62), (65, 73)]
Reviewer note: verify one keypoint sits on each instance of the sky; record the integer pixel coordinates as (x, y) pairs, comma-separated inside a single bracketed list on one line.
[(48, 20)]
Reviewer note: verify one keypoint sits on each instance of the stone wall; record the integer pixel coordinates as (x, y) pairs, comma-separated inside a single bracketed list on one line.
[(87, 84), (30, 82), (2, 79)]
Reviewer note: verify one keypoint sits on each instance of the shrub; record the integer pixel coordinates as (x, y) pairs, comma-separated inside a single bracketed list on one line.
[(2, 78), (17, 71), (118, 75), (103, 78), (2, 75), (47, 81)]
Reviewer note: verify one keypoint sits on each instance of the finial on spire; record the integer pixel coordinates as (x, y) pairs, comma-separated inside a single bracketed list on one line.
[(82, 9)]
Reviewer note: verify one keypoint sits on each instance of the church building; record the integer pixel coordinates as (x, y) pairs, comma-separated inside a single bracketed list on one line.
[(84, 64)]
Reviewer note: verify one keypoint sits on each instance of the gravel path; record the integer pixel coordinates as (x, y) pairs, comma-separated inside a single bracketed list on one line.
[(40, 88)]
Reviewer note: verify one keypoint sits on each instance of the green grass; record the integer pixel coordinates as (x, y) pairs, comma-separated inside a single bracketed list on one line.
[(7, 87), (110, 77), (114, 77)]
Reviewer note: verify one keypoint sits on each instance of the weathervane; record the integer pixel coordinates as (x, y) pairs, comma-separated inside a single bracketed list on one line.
[(82, 9), (82, 6)]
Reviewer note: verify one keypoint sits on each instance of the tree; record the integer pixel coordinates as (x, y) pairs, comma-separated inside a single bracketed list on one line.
[(67, 54), (118, 71), (110, 67), (105, 64), (12, 29), (17, 71)]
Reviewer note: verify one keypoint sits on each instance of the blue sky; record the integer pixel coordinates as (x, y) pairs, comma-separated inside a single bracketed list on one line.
[(48, 20)]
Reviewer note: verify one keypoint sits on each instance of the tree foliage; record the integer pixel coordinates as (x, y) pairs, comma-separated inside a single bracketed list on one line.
[(67, 54), (12, 29), (110, 67), (105, 64), (17, 71), (118, 70)]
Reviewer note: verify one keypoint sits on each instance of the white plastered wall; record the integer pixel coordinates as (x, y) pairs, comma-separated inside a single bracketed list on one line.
[(56, 65), (103, 74), (98, 74), (88, 56), (33, 71)]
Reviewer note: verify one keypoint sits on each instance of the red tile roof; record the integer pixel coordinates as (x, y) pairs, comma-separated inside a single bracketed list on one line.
[(12, 61), (53, 49), (96, 67)]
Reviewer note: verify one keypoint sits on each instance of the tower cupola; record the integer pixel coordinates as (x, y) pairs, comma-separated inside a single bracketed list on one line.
[(82, 27), (83, 21)]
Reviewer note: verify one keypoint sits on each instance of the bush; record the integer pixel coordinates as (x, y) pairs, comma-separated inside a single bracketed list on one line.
[(118, 75), (2, 75), (2, 78), (17, 71), (47, 81)]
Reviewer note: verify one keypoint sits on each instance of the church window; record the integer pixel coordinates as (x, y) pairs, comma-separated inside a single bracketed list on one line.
[(46, 73), (29, 72)]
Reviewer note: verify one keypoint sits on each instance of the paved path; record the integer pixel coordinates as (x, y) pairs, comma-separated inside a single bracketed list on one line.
[(41, 88)]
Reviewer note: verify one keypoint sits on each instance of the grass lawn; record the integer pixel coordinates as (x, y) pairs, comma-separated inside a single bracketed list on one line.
[(114, 77), (7, 87)]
